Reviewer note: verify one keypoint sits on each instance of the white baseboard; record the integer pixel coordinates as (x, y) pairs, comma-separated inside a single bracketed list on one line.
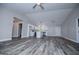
[(71, 39), (7, 39)]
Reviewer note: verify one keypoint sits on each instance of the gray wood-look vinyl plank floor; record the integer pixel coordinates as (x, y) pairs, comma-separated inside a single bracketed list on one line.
[(33, 46)]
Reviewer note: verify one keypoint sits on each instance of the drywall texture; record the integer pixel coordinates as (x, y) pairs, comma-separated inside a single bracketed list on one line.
[(54, 31), (69, 27), (6, 23)]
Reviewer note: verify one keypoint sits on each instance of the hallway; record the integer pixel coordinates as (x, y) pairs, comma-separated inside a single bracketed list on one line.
[(33, 46)]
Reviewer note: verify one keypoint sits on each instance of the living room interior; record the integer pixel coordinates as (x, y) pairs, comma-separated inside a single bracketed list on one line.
[(39, 29)]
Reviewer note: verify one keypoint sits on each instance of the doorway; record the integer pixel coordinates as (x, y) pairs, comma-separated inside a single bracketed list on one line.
[(35, 34), (20, 30), (17, 28)]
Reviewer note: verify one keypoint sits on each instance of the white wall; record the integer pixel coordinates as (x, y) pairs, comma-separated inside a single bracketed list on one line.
[(25, 29), (51, 19), (69, 27), (6, 23), (54, 31), (15, 30)]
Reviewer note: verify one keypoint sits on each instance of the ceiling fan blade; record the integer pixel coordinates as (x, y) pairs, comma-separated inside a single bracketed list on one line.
[(41, 6), (34, 5)]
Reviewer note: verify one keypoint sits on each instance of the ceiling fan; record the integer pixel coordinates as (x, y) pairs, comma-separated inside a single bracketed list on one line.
[(38, 4)]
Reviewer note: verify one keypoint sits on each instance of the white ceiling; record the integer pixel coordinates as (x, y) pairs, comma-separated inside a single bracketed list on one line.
[(50, 18), (28, 7), (53, 14)]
